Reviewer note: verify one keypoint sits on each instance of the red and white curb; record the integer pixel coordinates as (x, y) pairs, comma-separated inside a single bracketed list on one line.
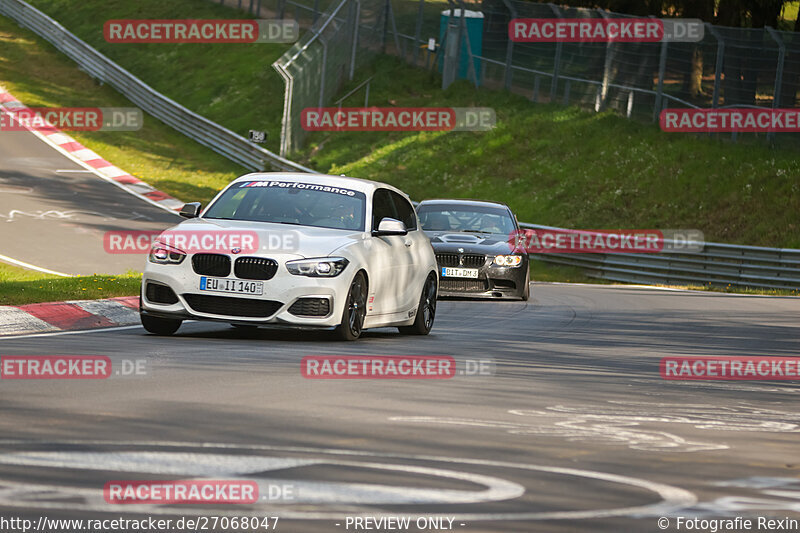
[(90, 160), (67, 316)]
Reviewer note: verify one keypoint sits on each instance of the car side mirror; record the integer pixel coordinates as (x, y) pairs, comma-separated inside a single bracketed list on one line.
[(191, 210), (390, 226)]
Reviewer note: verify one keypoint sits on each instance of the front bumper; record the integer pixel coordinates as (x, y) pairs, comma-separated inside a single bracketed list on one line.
[(280, 293), (493, 282)]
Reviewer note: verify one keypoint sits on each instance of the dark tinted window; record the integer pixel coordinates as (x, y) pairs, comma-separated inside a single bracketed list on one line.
[(466, 218), (289, 202), (382, 207), (405, 211)]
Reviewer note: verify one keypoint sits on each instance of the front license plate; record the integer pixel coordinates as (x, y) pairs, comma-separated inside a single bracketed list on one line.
[(459, 272), (235, 286)]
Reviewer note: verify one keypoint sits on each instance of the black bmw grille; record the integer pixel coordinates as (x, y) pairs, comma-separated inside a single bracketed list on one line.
[(212, 265), (255, 268), (160, 294), (452, 260), (474, 260), (229, 306), (447, 260), (462, 285), (311, 307)]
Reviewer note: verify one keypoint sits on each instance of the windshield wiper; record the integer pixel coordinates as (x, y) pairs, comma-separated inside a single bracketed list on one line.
[(475, 231)]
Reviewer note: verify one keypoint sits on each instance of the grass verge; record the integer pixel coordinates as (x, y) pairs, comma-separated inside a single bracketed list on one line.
[(40, 76), (19, 286), (570, 168)]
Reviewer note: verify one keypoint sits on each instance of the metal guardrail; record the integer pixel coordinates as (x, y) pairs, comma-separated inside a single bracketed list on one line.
[(717, 264), (216, 137)]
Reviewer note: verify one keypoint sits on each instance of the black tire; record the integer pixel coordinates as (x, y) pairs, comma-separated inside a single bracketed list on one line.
[(426, 311), (355, 310), (526, 292), (160, 326)]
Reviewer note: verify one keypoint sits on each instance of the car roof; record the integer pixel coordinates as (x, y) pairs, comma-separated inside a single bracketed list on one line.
[(365, 186), (454, 201)]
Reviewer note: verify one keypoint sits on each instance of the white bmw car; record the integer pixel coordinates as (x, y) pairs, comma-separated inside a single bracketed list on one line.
[(298, 250)]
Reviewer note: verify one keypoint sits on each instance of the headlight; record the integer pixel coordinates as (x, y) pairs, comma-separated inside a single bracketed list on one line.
[(318, 267), (166, 255), (508, 260)]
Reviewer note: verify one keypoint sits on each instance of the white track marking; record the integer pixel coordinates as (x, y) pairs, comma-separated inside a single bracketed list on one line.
[(46, 140), (219, 466), (59, 333), (51, 214), (23, 264), (620, 423), (673, 498), (579, 429)]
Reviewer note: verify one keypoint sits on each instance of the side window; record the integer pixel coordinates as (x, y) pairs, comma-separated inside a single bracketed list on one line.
[(405, 211), (382, 207)]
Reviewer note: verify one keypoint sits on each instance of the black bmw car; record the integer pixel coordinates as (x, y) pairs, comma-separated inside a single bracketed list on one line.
[(471, 241)]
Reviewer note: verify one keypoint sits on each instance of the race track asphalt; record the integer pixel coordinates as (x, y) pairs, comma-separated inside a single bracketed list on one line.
[(573, 429), (54, 213)]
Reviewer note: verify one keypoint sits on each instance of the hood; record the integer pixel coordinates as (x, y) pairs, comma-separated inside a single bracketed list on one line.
[(279, 239), (482, 243)]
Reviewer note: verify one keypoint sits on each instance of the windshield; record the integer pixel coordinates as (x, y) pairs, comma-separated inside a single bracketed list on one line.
[(282, 202), (471, 219)]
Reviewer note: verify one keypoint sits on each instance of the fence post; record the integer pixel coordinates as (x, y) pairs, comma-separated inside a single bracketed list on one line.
[(718, 65), (556, 59), (536, 81), (662, 66), (470, 57), (418, 29), (509, 47), (450, 46), (606, 67), (629, 110), (281, 9), (390, 18), (250, 7), (355, 4), (776, 99), (315, 14), (457, 62), (324, 65), (258, 8), (385, 29)]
